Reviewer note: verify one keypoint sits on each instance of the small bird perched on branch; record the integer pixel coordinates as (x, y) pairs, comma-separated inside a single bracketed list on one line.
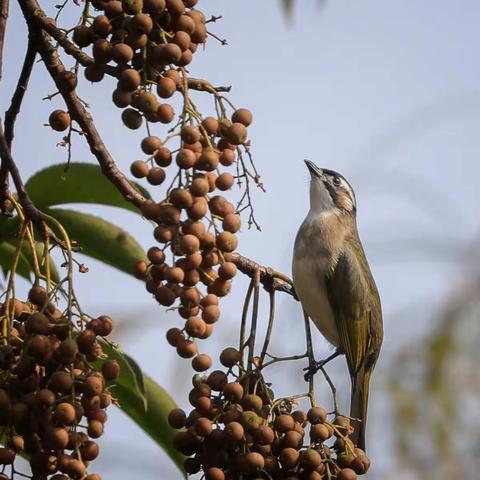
[(333, 281)]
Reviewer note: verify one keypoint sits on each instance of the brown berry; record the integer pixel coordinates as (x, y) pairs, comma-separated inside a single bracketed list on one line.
[(165, 296), (142, 23), (65, 413), (211, 313), (176, 418), (217, 380), (156, 176), (226, 242), (236, 133), (198, 210), (220, 206), (139, 169), (195, 327), (320, 433), (181, 198), (186, 349), (121, 98), (174, 335), (186, 159), (59, 120), (165, 113), (227, 270), (190, 134), (201, 362), (346, 474), (66, 80), (208, 160), (163, 157), (224, 181), (121, 53), (231, 222), (214, 473), (210, 125), (284, 423), (317, 415), (252, 402), (243, 116), (199, 187), (83, 36), (132, 118), (235, 431), (289, 458), (166, 87), (7, 456), (229, 357)]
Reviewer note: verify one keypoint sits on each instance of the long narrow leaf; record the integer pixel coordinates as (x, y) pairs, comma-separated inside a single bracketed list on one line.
[(82, 183), (143, 400), (100, 239)]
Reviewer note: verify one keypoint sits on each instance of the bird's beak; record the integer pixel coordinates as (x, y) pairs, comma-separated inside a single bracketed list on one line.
[(314, 170)]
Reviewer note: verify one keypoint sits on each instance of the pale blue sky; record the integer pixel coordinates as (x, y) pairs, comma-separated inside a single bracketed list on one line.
[(386, 92)]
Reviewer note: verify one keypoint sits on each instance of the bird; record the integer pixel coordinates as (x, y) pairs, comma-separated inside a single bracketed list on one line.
[(333, 281)]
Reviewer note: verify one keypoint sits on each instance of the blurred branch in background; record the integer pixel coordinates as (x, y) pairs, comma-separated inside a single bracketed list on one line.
[(288, 7), (434, 389)]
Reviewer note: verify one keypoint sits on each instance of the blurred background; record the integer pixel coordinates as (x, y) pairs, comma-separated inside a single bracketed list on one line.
[(388, 94)]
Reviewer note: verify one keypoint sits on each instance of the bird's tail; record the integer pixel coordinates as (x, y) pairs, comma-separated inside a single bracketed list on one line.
[(359, 405)]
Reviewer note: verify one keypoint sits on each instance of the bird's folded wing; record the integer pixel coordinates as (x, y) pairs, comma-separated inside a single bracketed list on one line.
[(349, 290)]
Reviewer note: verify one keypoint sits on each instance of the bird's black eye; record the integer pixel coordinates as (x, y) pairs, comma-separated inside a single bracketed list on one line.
[(336, 181)]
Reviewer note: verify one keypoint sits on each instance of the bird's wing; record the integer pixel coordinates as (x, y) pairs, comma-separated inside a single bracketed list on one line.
[(356, 307)]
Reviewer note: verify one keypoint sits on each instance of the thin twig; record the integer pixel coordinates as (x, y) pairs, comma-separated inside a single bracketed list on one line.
[(30, 210), (282, 359), (311, 357), (17, 97), (243, 325), (332, 387), (268, 334), (253, 325), (4, 4)]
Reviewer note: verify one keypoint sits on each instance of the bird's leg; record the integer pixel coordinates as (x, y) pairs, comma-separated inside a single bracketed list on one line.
[(314, 367)]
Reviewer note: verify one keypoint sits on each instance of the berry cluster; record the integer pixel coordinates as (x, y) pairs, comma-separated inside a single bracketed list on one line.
[(52, 402), (237, 429), (146, 46)]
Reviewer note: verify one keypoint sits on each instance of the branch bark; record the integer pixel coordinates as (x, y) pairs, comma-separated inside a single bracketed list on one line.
[(269, 278), (4, 4), (17, 97), (30, 210)]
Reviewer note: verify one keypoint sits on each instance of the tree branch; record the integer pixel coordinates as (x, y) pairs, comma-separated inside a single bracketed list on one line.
[(11, 116), (4, 4), (30, 210), (17, 97), (269, 278)]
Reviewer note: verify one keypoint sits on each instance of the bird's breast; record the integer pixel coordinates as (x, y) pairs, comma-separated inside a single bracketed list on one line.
[(309, 282)]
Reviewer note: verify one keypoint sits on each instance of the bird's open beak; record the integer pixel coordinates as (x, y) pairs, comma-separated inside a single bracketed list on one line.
[(314, 170)]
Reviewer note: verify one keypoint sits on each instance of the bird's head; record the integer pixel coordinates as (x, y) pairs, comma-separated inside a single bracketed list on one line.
[(330, 192)]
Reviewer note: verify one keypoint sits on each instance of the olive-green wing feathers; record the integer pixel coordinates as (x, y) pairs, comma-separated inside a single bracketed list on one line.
[(356, 307)]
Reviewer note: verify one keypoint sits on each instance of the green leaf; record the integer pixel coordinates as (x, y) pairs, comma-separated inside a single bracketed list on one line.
[(9, 228), (100, 239), (7, 253), (153, 420), (82, 183), (143, 400), (131, 377)]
